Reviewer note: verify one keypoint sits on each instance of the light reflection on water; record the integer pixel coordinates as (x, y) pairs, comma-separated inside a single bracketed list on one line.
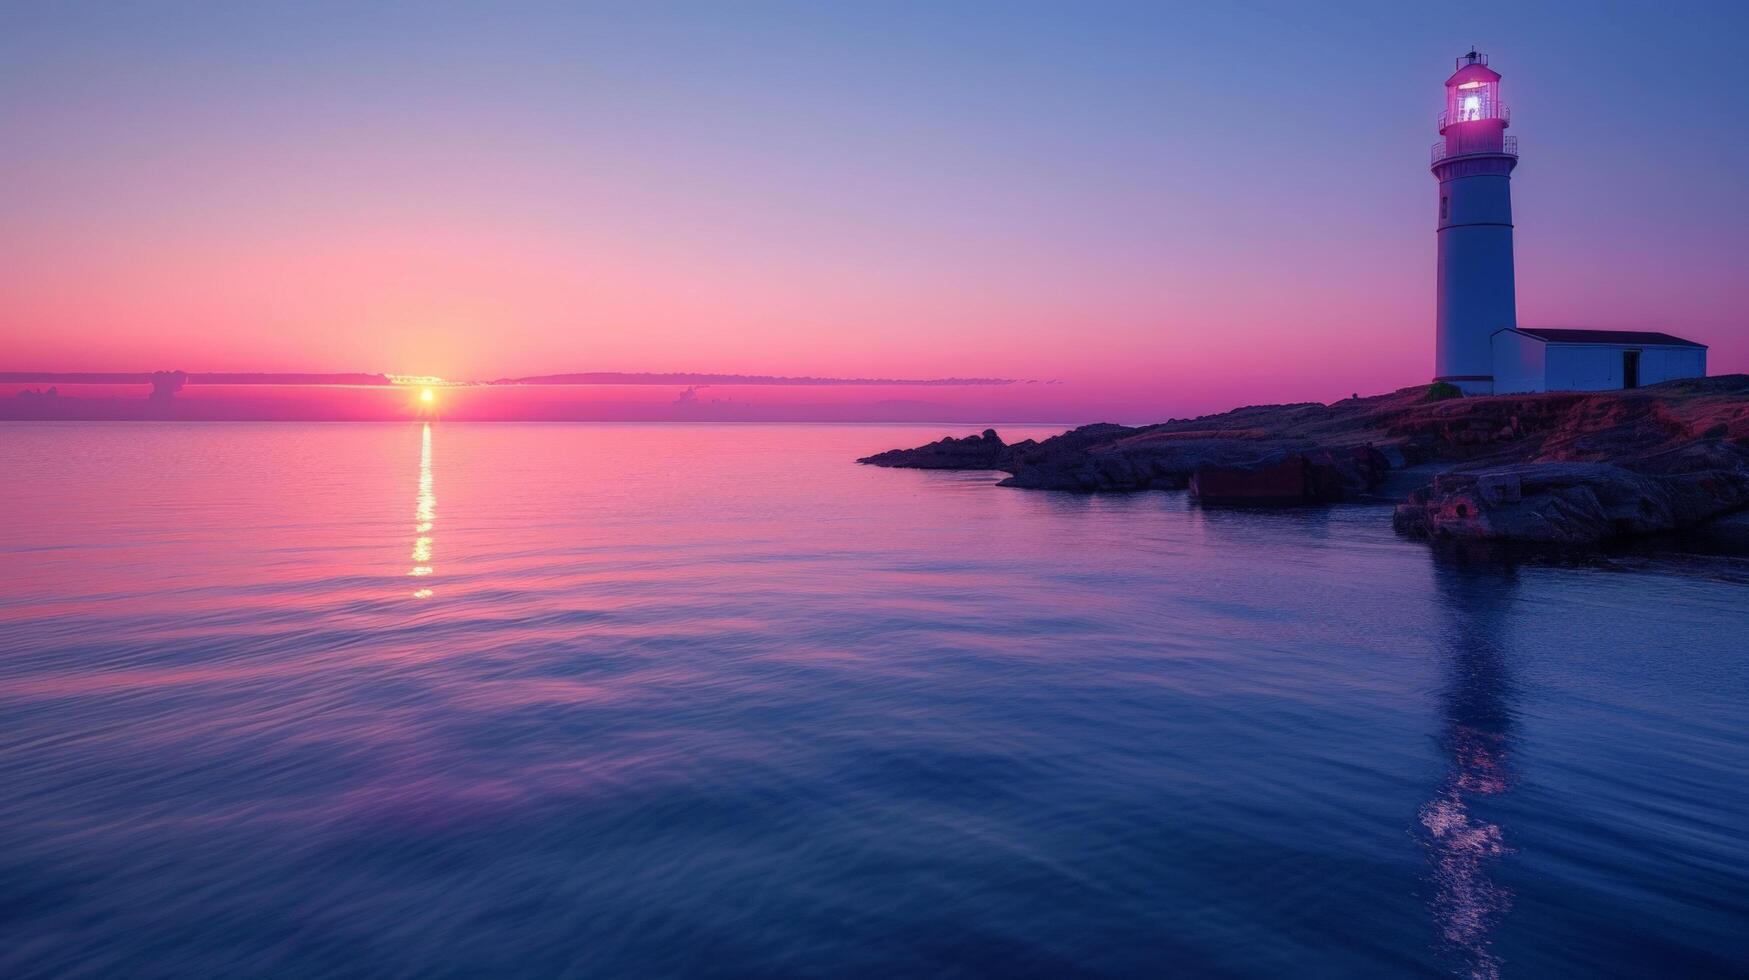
[(715, 700), (1468, 901), (424, 515)]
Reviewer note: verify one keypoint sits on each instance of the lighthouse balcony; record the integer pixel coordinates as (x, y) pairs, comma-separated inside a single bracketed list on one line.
[(1487, 109), (1443, 150)]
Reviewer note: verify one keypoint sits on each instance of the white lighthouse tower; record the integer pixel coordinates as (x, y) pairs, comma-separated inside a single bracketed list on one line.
[(1473, 162)]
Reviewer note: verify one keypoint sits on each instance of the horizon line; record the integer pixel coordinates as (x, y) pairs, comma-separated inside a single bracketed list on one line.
[(366, 378)]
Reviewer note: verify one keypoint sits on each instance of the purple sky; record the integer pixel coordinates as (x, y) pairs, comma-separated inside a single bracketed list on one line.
[(1169, 207)]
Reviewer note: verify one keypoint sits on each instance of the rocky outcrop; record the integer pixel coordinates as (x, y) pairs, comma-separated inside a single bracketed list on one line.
[(1245, 466), (1297, 478), (1553, 503), (1562, 467), (984, 451), (1287, 480), (1612, 465), (1137, 460)]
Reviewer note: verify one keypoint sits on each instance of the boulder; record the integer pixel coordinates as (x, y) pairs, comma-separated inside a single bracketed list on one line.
[(1282, 482), (1320, 476), (1498, 489), (1566, 503)]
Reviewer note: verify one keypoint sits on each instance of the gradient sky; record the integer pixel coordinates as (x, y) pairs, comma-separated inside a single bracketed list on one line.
[(1189, 205)]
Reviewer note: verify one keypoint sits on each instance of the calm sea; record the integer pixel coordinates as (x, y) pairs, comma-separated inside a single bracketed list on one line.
[(574, 700)]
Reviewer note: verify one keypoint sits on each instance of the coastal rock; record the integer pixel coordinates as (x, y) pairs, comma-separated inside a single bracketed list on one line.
[(1568, 503), (1297, 478), (1115, 458), (1283, 481), (1667, 456), (1556, 503), (1137, 460), (1730, 531), (985, 451)]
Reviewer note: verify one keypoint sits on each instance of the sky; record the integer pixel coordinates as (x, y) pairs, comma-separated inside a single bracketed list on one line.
[(1167, 207)]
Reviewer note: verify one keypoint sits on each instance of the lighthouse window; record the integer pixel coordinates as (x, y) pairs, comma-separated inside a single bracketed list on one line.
[(1444, 207), (1474, 100)]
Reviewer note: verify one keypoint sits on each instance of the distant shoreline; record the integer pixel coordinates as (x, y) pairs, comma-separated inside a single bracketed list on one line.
[(598, 397), (195, 378)]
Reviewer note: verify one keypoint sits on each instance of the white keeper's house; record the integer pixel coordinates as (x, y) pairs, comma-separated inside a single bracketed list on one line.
[(1531, 359)]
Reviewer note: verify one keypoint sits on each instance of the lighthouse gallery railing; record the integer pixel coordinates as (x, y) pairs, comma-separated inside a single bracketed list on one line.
[(1509, 146), (1487, 110)]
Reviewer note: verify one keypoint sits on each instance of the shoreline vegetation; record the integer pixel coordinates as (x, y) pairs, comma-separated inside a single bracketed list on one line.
[(1556, 468)]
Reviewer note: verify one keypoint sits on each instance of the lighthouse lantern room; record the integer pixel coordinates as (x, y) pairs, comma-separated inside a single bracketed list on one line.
[(1473, 93)]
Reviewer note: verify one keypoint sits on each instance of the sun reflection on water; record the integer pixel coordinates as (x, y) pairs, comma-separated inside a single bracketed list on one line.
[(424, 516)]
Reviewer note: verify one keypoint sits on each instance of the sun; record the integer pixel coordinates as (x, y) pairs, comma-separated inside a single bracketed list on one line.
[(427, 396)]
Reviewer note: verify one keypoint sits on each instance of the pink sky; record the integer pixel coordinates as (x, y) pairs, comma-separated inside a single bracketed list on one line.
[(428, 195)]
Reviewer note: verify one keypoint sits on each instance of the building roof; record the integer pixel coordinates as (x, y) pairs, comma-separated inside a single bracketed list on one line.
[(1624, 338), (1472, 73)]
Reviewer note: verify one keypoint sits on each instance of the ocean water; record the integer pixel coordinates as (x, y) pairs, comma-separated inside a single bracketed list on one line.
[(573, 700)]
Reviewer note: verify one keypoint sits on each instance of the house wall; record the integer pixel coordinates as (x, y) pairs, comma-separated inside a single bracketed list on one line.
[(1572, 367), (1519, 363), (1597, 367), (1669, 363)]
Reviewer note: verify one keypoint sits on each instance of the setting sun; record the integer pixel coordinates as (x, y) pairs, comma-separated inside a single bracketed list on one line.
[(427, 396)]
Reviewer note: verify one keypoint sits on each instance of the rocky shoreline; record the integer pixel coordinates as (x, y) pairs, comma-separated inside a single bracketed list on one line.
[(1566, 468)]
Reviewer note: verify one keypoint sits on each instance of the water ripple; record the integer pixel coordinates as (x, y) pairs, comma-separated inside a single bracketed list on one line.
[(781, 714)]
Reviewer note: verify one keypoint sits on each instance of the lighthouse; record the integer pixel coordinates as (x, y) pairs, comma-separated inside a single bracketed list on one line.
[(1473, 163)]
